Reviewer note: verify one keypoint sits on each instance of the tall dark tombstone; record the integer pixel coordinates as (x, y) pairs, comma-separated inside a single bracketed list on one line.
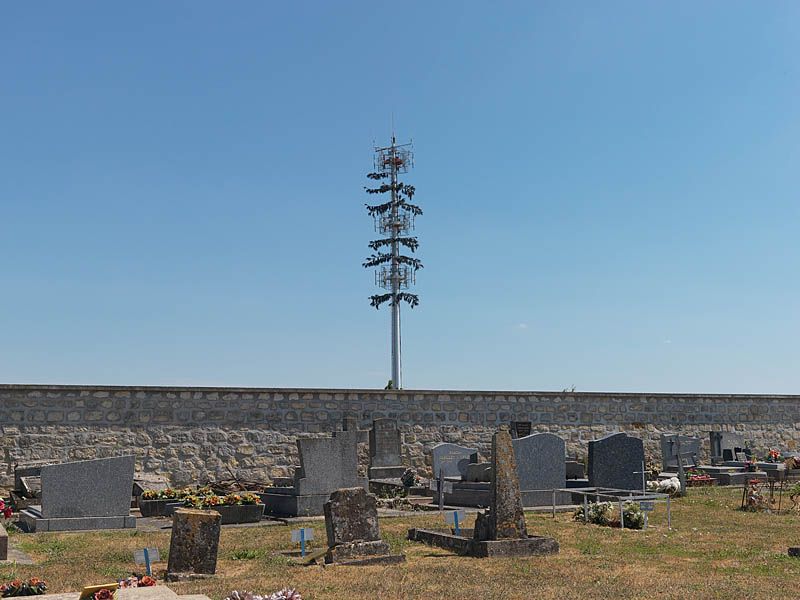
[(615, 461)]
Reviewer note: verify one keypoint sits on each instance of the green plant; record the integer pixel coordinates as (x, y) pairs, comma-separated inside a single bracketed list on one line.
[(598, 513)]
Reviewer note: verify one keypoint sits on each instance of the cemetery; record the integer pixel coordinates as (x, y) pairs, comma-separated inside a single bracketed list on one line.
[(610, 516)]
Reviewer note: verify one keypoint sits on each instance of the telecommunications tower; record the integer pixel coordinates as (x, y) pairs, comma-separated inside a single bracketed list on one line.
[(394, 221)]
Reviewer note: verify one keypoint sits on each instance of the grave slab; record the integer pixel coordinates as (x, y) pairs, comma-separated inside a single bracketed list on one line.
[(83, 495)]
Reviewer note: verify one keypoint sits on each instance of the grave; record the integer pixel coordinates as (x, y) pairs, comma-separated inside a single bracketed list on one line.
[(725, 445), (89, 494), (501, 530), (194, 544), (3, 543), (351, 525), (541, 468), (690, 451), (385, 450), (326, 464), (615, 461), (451, 460)]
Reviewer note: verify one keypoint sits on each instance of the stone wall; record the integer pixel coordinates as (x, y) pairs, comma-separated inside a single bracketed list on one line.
[(192, 434)]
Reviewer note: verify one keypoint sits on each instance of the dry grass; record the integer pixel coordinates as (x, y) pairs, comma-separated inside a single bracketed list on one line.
[(714, 551)]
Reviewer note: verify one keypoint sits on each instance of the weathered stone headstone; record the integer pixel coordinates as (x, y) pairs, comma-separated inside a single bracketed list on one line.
[(351, 524), (89, 494), (194, 544), (504, 519), (689, 447), (614, 461), (385, 450), (451, 459)]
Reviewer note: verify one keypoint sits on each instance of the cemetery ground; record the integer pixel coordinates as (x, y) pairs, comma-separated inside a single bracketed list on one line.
[(714, 551)]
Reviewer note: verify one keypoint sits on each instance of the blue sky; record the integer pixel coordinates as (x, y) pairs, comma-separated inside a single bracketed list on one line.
[(610, 193)]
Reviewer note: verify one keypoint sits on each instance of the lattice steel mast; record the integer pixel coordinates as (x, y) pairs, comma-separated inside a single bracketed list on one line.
[(394, 219)]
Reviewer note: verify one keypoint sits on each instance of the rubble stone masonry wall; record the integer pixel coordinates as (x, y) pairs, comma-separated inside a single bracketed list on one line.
[(196, 434)]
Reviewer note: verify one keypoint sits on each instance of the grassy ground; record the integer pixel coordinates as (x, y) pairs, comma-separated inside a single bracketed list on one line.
[(714, 551)]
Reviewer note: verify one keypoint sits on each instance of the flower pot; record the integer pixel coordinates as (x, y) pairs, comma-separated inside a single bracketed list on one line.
[(240, 513), (155, 508)]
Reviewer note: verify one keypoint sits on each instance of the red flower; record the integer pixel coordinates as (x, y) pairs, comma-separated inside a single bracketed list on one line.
[(147, 581), (7, 512)]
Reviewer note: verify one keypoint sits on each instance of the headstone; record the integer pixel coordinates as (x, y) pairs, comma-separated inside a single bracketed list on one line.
[(326, 464), (3, 543), (575, 469), (725, 444), (520, 429), (89, 494), (194, 544), (541, 463), (615, 461), (451, 459), (690, 451), (385, 449), (351, 525), (504, 519)]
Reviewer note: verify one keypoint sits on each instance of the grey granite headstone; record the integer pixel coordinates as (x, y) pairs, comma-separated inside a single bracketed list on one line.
[(327, 463), (689, 447), (541, 463), (614, 461), (88, 488), (725, 444), (385, 444), (451, 459)]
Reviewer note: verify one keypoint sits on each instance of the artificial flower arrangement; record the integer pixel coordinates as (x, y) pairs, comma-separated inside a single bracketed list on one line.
[(671, 486), (175, 494), (409, 478), (284, 594), (137, 581), (602, 513), (774, 456), (5, 509), (210, 500), (20, 587)]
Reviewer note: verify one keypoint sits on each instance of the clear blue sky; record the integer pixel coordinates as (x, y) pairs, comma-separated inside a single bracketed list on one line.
[(610, 193)]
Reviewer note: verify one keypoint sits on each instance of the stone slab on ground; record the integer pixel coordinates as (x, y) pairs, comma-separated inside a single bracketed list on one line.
[(32, 521), (467, 546), (156, 592), (739, 478)]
